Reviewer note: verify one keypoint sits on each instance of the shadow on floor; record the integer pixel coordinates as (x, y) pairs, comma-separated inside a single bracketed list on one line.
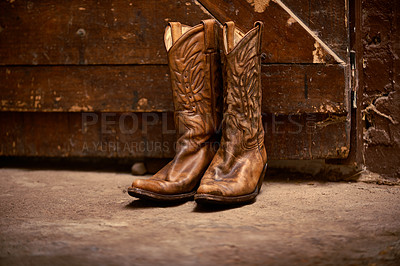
[(123, 165), (200, 208), (146, 204), (206, 208)]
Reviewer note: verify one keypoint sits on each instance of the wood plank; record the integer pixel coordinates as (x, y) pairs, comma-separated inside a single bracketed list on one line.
[(306, 136), (284, 40), (328, 18), (89, 32), (295, 89), (144, 135), (139, 88), (131, 32), (87, 135), (287, 89)]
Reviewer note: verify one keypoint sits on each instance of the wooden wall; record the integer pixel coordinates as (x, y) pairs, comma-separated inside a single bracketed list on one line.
[(78, 76)]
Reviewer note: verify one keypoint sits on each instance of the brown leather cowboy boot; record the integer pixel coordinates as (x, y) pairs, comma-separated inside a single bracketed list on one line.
[(194, 64), (236, 173)]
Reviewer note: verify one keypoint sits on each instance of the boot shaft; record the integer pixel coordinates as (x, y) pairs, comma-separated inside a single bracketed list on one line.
[(194, 62), (242, 85)]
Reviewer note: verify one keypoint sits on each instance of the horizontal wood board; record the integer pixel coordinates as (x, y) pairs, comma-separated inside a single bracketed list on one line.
[(131, 32), (287, 89), (152, 135), (50, 32)]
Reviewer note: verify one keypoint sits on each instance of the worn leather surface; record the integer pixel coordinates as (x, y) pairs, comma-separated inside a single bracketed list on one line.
[(238, 163), (196, 84)]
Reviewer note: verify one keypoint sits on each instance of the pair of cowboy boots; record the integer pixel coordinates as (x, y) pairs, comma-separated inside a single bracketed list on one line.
[(233, 173)]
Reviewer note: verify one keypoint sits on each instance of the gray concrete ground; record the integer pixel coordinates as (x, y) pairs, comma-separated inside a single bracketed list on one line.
[(61, 217)]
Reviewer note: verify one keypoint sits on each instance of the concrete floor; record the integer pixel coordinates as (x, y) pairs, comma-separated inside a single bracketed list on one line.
[(61, 217)]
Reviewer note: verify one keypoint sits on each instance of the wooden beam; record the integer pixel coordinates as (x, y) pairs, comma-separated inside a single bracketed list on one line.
[(296, 89), (152, 135), (131, 32), (327, 18), (287, 89), (284, 40), (51, 32)]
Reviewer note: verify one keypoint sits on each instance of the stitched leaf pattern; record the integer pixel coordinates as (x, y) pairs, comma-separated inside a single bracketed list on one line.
[(243, 93), (191, 94)]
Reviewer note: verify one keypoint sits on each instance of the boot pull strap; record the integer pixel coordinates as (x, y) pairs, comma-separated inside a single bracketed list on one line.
[(176, 30), (209, 35), (228, 32), (260, 26)]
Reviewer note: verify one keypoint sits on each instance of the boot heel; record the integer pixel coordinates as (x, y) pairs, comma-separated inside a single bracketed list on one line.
[(261, 179)]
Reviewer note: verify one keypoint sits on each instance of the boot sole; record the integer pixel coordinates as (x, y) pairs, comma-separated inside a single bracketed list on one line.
[(226, 200), (149, 195)]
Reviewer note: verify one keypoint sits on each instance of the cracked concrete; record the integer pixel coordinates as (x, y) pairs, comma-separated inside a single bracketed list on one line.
[(63, 217)]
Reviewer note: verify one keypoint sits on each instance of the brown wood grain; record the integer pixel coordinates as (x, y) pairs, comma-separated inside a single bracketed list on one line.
[(63, 63), (86, 135), (152, 135), (287, 89), (283, 40), (131, 32), (296, 89), (306, 136), (328, 18), (86, 88), (89, 32)]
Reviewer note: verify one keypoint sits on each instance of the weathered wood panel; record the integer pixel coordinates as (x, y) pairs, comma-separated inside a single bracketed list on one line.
[(287, 89), (87, 134), (284, 40), (306, 136), (89, 32), (296, 89), (86, 88), (151, 135), (131, 32), (121, 44), (328, 18)]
